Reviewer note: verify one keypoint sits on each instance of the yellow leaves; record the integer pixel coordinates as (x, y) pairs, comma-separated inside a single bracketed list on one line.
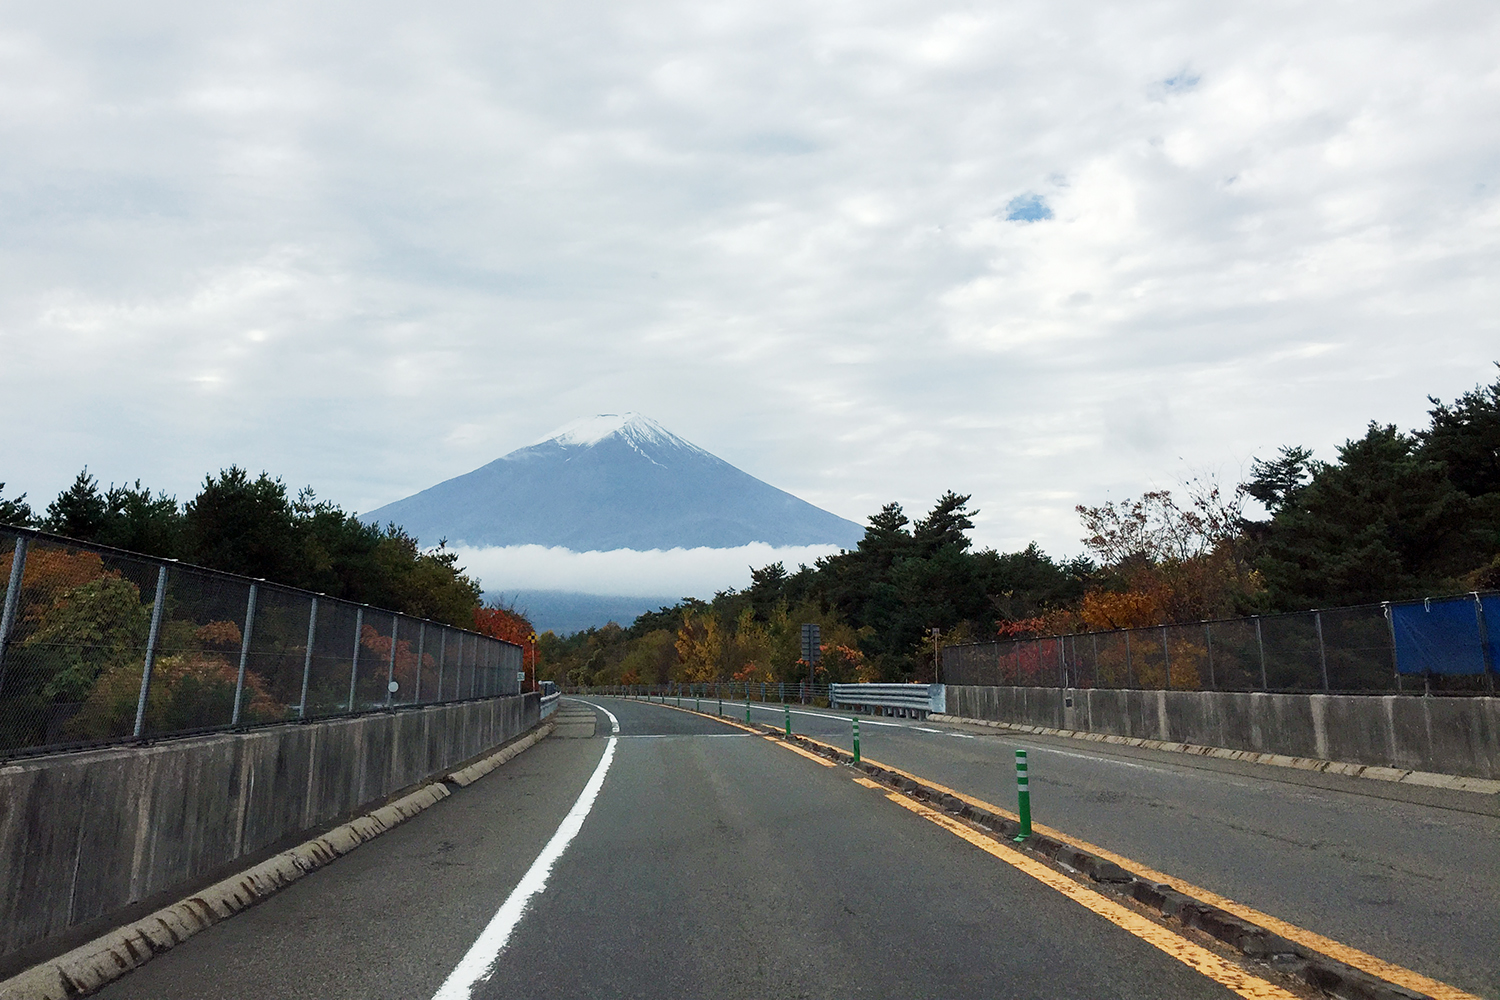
[(700, 645)]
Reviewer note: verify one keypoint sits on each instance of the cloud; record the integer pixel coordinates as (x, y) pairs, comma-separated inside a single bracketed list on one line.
[(627, 572), (373, 247)]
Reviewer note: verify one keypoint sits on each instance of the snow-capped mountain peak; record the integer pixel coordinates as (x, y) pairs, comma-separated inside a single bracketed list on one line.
[(634, 427), (637, 431), (615, 480)]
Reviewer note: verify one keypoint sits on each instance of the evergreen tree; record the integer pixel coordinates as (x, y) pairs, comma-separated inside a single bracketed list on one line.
[(15, 512), (1383, 522), (80, 511)]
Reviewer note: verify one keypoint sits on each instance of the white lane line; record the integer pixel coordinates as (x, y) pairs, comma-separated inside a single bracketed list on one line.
[(865, 721), (479, 964), (1099, 759)]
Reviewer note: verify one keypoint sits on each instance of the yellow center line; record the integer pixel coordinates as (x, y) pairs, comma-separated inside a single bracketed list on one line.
[(1194, 956), (798, 750), (1389, 971)]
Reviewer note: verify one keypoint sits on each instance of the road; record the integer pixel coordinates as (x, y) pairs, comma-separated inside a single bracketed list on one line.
[(710, 863), (1409, 874)]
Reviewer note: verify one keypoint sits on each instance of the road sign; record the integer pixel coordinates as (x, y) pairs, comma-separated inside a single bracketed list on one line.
[(812, 643)]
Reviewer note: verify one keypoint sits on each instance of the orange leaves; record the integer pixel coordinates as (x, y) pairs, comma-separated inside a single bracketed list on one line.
[(503, 623), (1103, 609)]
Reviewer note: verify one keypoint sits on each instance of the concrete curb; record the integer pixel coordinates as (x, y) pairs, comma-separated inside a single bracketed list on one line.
[(90, 966), (1483, 786)]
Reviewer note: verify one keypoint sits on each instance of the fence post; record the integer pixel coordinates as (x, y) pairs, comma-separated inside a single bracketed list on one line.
[(1484, 644), (1208, 640), (1166, 657), (359, 629), (416, 698), (390, 664), (1390, 628), (312, 631), (1095, 637), (1129, 670), (161, 595), (1260, 643), (442, 659), (239, 683), (1322, 653), (12, 599)]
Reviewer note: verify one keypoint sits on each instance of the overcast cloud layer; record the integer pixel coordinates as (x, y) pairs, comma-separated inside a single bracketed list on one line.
[(1044, 253)]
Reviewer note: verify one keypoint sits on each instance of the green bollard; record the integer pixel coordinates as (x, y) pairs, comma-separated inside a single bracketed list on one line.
[(747, 704), (679, 696), (856, 741), (721, 702), (788, 720), (1023, 796)]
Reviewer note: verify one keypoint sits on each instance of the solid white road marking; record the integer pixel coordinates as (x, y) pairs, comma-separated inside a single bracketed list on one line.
[(479, 964)]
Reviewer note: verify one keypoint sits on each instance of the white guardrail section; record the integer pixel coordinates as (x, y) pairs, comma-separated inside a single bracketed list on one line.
[(549, 704), (916, 700)]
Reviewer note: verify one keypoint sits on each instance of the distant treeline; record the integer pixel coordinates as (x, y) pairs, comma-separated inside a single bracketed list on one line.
[(1396, 515), (251, 526)]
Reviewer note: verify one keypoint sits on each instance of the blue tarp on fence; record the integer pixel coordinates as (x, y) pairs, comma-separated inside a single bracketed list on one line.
[(1440, 637)]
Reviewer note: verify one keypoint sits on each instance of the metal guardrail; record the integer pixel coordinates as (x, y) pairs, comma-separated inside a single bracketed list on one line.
[(916, 699), (99, 645), (769, 692), (549, 704)]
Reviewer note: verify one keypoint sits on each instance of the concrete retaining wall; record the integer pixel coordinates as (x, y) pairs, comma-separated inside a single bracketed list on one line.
[(83, 836), (1446, 735)]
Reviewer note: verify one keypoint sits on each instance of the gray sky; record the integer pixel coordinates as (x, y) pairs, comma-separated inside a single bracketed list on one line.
[(1045, 253)]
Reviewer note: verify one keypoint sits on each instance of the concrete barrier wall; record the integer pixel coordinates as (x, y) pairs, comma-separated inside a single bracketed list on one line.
[(85, 835), (1446, 735)]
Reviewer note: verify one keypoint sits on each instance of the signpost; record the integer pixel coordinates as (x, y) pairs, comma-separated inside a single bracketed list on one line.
[(812, 652)]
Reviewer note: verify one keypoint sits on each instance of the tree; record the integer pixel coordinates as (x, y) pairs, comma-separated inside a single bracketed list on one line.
[(242, 525), (1278, 482), (79, 511), (1384, 522), (15, 512), (1465, 437)]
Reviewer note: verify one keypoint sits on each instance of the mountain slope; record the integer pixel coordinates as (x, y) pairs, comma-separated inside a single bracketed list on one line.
[(615, 481)]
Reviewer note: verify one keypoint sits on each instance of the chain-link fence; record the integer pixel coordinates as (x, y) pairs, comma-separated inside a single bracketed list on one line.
[(99, 645), (1416, 646)]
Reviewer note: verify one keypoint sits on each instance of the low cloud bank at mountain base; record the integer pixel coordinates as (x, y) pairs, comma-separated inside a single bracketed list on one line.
[(627, 572)]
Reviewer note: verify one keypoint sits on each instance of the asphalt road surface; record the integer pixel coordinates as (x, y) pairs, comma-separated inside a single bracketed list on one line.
[(1408, 874), (707, 862)]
